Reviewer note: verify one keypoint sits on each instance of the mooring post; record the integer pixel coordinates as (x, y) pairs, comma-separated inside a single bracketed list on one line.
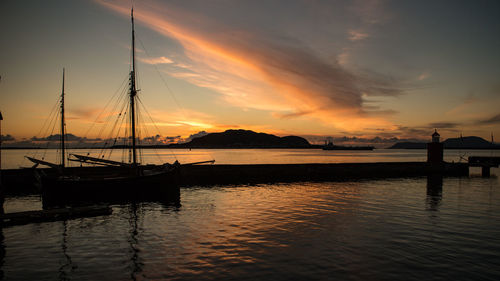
[(485, 171)]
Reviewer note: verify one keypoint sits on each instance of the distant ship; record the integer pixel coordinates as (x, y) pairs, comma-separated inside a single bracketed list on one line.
[(330, 146)]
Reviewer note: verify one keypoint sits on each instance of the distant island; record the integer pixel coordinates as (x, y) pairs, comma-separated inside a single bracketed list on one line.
[(244, 139), (471, 142), (249, 139)]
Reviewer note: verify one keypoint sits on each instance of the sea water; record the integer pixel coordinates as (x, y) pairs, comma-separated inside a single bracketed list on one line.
[(395, 229), (15, 158)]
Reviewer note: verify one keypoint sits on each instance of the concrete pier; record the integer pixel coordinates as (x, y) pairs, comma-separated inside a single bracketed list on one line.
[(20, 181), (485, 163), (268, 173)]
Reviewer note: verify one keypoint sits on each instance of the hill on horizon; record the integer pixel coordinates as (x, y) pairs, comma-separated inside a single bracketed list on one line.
[(246, 139), (470, 142)]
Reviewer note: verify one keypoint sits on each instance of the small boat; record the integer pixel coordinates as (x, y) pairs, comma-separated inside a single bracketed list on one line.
[(330, 146), (113, 180)]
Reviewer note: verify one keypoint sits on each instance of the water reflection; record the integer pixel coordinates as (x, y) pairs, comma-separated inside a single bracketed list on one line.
[(434, 192), (67, 264), (2, 253), (134, 241), (14, 158), (375, 230)]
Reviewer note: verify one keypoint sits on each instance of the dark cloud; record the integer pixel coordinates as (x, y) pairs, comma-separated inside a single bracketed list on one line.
[(197, 135), (301, 68), (414, 131), (8, 138), (443, 125), (292, 114), (73, 141), (159, 140), (304, 78), (57, 137), (377, 111), (470, 98), (377, 141), (492, 120)]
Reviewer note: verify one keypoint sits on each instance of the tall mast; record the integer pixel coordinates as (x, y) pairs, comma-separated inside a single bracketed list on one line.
[(1, 118), (133, 93), (62, 124)]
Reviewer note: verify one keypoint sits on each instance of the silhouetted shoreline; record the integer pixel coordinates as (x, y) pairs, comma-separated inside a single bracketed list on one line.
[(471, 142)]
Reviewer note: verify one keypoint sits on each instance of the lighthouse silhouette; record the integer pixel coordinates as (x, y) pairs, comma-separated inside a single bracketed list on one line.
[(435, 149)]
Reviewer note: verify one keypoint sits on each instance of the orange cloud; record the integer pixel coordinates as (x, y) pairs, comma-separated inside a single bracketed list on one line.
[(159, 60), (263, 71), (356, 35), (423, 76), (187, 122)]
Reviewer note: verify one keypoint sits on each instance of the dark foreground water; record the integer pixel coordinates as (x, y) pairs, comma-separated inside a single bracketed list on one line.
[(401, 229)]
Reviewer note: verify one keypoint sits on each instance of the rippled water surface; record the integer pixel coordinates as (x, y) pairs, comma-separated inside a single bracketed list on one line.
[(13, 159), (401, 229)]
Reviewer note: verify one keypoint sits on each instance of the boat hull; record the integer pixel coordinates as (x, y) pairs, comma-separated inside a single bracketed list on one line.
[(159, 187)]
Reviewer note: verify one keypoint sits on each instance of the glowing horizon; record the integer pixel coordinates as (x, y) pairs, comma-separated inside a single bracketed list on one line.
[(366, 69)]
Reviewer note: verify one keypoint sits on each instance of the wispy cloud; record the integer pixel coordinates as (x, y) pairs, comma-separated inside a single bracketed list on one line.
[(467, 102), (490, 121), (443, 125), (356, 35), (423, 76), (7, 138), (158, 60), (371, 12), (263, 70), (343, 57), (83, 113)]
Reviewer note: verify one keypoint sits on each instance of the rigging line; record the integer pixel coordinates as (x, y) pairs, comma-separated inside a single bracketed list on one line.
[(109, 137), (121, 118), (66, 144), (52, 112), (117, 135), (53, 120), (120, 99), (52, 123), (157, 129), (163, 80), (168, 88), (119, 90), (146, 131), (115, 95), (49, 118), (48, 142), (153, 145), (111, 133), (124, 139), (138, 133), (141, 132)]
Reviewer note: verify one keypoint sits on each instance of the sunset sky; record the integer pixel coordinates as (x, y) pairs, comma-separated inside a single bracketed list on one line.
[(308, 68)]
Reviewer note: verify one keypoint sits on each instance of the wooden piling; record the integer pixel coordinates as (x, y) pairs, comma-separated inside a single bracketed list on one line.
[(19, 218)]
